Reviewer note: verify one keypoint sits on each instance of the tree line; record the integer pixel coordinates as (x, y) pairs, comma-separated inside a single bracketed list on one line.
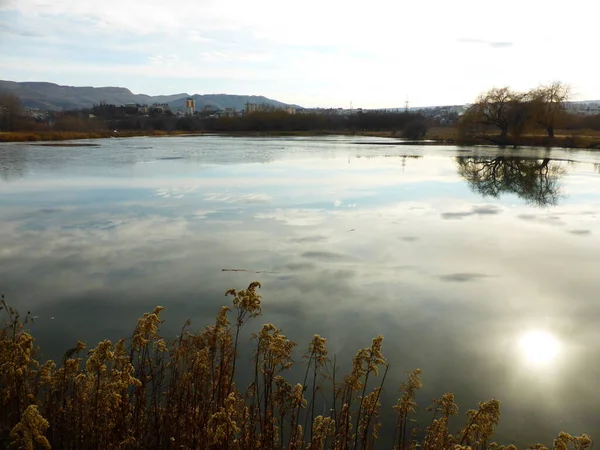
[(513, 113), (413, 125), (114, 117), (501, 116)]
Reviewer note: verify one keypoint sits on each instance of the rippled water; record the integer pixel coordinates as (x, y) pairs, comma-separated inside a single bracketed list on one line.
[(478, 265)]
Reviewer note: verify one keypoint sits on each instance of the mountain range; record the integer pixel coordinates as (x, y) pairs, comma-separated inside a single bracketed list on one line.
[(50, 96)]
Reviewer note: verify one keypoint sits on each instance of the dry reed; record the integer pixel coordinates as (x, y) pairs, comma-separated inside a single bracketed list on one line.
[(147, 393)]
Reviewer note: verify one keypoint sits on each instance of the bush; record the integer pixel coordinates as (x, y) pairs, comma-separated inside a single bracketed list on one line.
[(415, 129)]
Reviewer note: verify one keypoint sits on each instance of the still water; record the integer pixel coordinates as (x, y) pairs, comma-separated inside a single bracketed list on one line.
[(478, 265)]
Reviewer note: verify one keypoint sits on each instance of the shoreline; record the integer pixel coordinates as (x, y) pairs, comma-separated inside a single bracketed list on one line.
[(50, 136), (437, 137)]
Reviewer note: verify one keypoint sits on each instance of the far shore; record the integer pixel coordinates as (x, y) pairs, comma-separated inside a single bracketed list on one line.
[(50, 136), (435, 136)]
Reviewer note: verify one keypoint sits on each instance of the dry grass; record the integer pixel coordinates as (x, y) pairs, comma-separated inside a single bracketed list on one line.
[(147, 393), (584, 139), (308, 133), (37, 136)]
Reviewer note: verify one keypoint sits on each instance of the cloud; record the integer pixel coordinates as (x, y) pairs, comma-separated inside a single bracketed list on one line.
[(295, 267), (311, 239), (542, 218), (204, 213), (456, 215), (322, 255), (409, 238), (255, 47), (581, 232), (483, 210), (237, 198), (294, 217), (463, 277), (162, 60), (156, 68), (493, 44), (501, 44), (24, 33), (175, 192)]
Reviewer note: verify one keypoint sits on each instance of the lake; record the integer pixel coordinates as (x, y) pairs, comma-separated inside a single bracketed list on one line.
[(478, 265)]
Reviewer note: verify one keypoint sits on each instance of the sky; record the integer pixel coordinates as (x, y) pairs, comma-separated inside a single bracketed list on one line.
[(313, 53)]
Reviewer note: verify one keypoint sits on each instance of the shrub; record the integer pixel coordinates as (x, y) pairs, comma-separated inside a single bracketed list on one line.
[(415, 129)]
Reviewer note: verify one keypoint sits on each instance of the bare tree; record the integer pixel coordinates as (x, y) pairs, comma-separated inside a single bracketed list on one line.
[(10, 111), (549, 104), (520, 116), (501, 108)]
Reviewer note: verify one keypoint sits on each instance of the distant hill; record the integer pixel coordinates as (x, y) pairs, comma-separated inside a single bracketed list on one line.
[(56, 97)]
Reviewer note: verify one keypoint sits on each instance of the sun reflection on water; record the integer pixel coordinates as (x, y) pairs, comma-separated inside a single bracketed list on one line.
[(539, 348)]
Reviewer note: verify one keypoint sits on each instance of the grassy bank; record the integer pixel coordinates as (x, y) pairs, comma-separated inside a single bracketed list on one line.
[(17, 136), (582, 139), (149, 393), (586, 139), (309, 133), (38, 136), (450, 136)]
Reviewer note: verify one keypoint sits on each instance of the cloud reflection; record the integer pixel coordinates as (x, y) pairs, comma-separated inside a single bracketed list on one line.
[(451, 296), (463, 277), (481, 210)]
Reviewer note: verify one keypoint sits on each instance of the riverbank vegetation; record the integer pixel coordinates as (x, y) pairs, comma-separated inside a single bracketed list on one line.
[(504, 116), (35, 136), (107, 120), (147, 392), (500, 116)]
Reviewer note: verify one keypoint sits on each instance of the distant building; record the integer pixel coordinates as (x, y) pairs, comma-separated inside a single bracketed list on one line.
[(264, 107), (230, 112), (253, 107), (328, 111), (31, 112), (583, 108), (136, 108), (160, 108), (190, 106)]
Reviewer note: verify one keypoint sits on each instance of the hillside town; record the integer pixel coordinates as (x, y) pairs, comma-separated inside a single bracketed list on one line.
[(442, 114)]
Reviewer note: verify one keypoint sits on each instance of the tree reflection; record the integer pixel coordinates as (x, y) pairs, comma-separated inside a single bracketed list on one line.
[(534, 180), (13, 164)]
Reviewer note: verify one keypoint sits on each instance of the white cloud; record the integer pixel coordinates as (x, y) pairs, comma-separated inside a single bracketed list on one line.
[(237, 198), (325, 53), (294, 217), (204, 213), (175, 192)]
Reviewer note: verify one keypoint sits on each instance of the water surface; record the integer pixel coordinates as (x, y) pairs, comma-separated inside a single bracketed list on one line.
[(453, 254)]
